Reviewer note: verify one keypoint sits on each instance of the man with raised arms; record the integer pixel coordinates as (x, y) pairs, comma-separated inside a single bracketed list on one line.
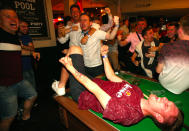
[(91, 50)]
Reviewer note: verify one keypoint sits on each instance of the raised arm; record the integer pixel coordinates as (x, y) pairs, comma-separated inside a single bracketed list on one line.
[(106, 27), (112, 35), (101, 95), (107, 67)]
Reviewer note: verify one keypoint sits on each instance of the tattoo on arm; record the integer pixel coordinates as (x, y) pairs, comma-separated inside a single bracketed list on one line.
[(83, 77)]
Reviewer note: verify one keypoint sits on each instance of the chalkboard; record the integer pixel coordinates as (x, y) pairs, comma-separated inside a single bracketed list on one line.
[(35, 12)]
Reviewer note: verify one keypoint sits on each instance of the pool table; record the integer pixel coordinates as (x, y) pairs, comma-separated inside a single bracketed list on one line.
[(75, 119)]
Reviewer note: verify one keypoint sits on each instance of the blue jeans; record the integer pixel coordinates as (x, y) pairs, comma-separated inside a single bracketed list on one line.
[(9, 95), (29, 76)]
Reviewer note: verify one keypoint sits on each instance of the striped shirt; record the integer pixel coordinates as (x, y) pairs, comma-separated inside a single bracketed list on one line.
[(10, 59)]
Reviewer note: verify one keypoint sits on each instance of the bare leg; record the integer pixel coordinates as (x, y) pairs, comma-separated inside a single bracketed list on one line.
[(64, 76), (5, 124), (28, 104), (100, 94)]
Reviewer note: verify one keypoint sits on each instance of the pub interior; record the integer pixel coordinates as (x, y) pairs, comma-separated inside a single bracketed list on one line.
[(61, 113)]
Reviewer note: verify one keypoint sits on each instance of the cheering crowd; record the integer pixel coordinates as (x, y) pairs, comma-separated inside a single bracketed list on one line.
[(93, 50)]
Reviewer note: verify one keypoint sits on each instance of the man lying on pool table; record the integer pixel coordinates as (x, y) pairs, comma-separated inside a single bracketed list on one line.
[(118, 100)]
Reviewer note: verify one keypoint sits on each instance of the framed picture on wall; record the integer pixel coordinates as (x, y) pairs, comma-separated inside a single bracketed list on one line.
[(35, 12)]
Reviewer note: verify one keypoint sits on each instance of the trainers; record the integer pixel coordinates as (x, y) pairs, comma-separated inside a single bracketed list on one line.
[(59, 91), (20, 114), (29, 120)]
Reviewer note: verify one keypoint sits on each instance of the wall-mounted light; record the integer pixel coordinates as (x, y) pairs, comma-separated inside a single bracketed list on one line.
[(101, 10), (59, 17)]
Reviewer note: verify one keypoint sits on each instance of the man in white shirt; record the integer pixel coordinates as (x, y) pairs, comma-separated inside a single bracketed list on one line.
[(75, 14), (91, 50)]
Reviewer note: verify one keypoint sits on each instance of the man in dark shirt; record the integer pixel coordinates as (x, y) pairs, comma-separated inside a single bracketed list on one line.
[(27, 44), (118, 100), (148, 58), (12, 83), (171, 33)]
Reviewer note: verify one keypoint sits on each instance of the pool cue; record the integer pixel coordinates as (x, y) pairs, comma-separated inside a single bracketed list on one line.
[(145, 96)]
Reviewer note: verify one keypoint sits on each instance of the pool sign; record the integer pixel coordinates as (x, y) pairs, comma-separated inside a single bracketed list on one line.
[(34, 11)]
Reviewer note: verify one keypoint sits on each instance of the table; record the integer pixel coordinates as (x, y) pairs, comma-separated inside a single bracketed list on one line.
[(75, 119), (80, 120)]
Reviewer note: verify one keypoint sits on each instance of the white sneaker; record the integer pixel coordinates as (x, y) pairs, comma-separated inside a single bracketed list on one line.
[(59, 91)]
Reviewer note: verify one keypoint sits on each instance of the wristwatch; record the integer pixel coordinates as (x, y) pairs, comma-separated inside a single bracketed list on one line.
[(31, 52), (88, 35), (105, 56), (116, 25)]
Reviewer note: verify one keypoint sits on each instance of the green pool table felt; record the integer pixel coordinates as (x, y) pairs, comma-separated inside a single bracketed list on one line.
[(147, 124)]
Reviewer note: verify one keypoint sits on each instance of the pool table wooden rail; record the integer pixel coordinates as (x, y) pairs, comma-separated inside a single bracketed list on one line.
[(75, 119)]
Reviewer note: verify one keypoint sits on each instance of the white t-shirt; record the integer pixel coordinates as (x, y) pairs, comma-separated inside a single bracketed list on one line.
[(72, 35), (175, 74), (91, 50)]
